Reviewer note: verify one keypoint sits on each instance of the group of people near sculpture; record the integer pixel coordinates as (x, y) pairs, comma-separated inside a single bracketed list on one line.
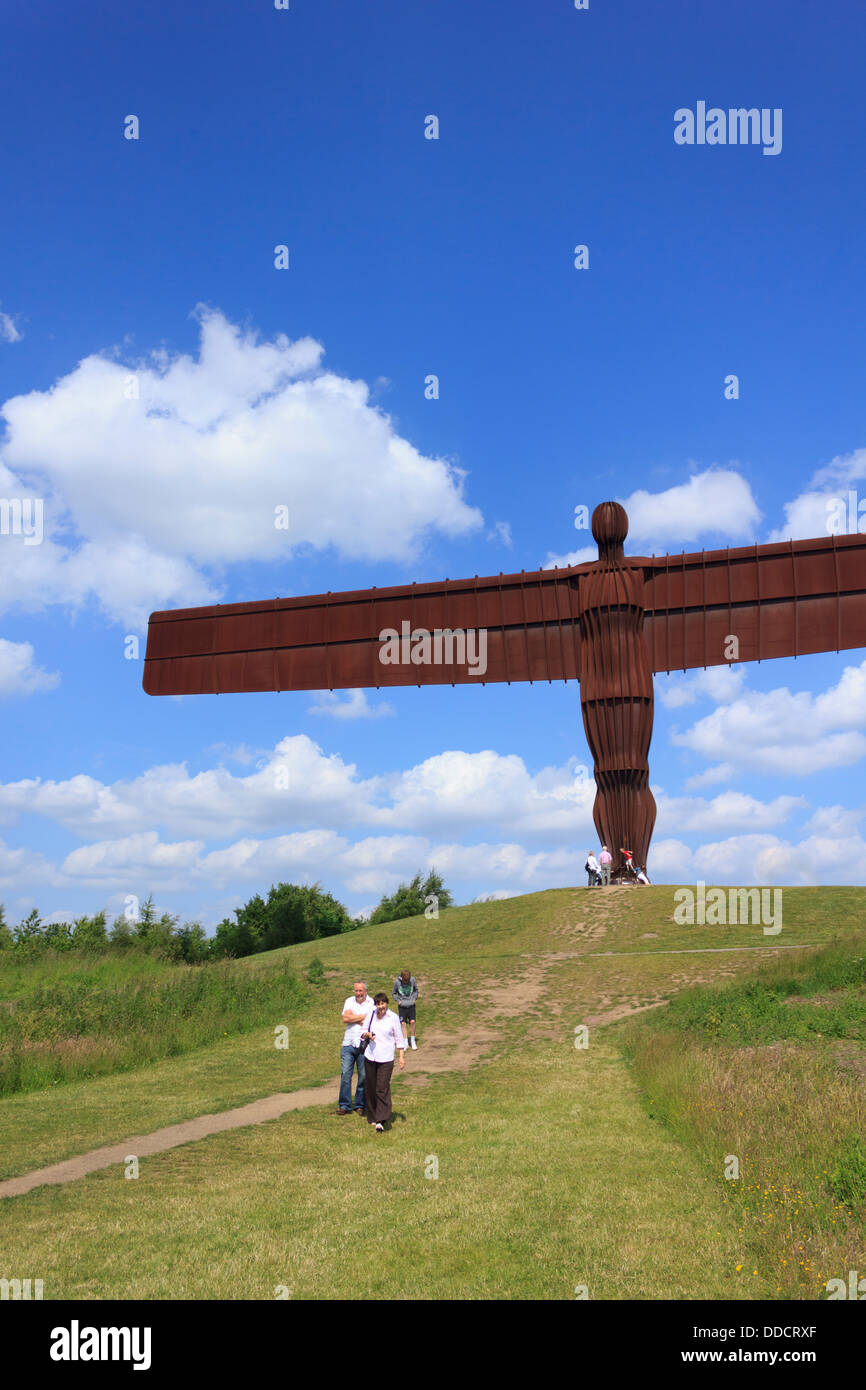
[(598, 870), (374, 1033)]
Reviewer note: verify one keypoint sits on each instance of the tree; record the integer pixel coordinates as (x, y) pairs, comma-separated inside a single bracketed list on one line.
[(6, 939), (232, 939), (410, 899), (292, 912), (295, 913), (433, 885), (285, 917), (252, 923), (89, 933), (121, 936), (29, 932), (193, 943), (157, 934), (162, 938), (57, 936)]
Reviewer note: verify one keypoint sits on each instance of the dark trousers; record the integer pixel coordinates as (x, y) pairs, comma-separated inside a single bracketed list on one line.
[(377, 1087)]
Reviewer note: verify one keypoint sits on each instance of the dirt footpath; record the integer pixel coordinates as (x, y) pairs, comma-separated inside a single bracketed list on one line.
[(438, 1052)]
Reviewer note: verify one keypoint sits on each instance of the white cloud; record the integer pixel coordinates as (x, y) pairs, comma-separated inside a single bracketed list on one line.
[(295, 781), (451, 793), (455, 790), (573, 557), (724, 812), (144, 492), (376, 864), (719, 683), (720, 772), (16, 865), (132, 857), (18, 674), (717, 502), (816, 511), (180, 832), (352, 704), (242, 754), (502, 532), (750, 859), (8, 331), (303, 856), (670, 861), (831, 850), (792, 734)]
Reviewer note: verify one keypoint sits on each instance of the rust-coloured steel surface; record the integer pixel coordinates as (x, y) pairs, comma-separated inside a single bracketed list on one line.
[(779, 600), (609, 623), (331, 641)]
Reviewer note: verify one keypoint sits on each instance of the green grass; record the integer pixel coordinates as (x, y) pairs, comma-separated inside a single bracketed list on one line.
[(550, 1176), (769, 1071), (68, 1029), (558, 1167), (21, 975), (769, 1007)]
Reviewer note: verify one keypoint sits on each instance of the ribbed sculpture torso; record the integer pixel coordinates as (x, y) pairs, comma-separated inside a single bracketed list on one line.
[(616, 688)]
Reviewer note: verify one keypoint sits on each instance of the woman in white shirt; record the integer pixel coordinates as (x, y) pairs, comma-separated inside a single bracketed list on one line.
[(383, 1035)]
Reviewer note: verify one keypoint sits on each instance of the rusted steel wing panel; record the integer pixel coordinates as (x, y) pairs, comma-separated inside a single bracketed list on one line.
[(332, 641), (786, 599)]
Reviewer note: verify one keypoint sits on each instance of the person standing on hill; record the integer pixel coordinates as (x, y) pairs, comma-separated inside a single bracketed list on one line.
[(383, 1037), (355, 1010), (593, 877), (405, 992), (605, 859)]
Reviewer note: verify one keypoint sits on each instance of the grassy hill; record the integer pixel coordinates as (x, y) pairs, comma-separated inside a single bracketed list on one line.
[(559, 1167)]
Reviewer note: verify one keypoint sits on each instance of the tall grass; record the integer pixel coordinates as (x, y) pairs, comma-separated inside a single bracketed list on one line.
[(820, 994), (770, 1072), (21, 973), (66, 1029)]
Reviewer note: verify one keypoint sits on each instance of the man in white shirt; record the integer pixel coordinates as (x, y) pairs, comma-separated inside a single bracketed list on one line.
[(356, 1009), (593, 875), (383, 1035)]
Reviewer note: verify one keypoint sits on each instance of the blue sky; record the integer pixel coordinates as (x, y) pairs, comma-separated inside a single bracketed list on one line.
[(154, 259)]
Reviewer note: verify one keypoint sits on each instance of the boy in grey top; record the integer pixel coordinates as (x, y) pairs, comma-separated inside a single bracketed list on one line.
[(405, 992)]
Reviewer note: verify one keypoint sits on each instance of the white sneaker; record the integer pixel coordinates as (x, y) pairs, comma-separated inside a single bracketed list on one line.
[(413, 1044)]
